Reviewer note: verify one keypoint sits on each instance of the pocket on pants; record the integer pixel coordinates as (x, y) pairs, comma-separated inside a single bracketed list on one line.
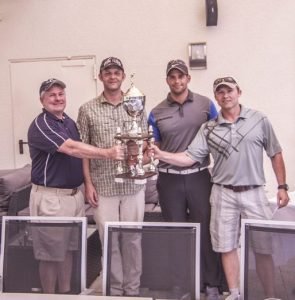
[(49, 205)]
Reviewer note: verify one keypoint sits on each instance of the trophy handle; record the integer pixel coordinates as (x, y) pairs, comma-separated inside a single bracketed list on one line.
[(151, 141), (119, 168)]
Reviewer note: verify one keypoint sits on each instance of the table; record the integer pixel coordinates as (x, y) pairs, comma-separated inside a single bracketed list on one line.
[(20, 296)]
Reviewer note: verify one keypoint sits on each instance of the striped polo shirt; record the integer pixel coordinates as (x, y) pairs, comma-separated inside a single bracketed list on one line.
[(237, 148)]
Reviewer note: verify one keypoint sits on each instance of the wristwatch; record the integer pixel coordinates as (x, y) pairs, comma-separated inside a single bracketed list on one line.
[(283, 186)]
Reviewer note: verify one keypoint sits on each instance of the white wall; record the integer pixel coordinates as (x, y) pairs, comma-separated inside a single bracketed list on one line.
[(253, 41)]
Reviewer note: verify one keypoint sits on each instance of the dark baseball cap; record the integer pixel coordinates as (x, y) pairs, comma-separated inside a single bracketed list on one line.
[(177, 64), (111, 62), (49, 83)]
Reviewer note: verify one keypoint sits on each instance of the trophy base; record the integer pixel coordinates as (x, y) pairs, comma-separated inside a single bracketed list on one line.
[(138, 179)]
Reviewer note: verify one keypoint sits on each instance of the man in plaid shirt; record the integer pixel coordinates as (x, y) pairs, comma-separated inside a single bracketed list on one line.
[(98, 120)]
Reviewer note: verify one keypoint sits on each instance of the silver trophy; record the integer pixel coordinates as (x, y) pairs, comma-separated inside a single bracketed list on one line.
[(134, 103)]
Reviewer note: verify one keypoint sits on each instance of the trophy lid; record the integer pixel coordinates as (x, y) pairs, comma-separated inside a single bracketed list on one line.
[(133, 91), (134, 101)]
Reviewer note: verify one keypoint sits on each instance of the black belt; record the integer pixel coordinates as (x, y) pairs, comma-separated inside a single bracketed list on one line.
[(239, 188)]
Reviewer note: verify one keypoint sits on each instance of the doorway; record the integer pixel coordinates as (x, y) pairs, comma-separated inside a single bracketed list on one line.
[(78, 73)]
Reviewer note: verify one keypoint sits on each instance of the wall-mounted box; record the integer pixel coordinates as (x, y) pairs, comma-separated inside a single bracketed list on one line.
[(197, 53)]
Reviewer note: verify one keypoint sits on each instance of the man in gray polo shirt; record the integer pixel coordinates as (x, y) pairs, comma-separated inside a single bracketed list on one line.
[(184, 192), (236, 139)]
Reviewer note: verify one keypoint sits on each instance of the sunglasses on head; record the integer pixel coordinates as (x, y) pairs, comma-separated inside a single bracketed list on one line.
[(224, 79), (175, 62)]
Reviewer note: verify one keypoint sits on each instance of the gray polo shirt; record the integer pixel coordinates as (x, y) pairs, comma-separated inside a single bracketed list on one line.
[(175, 125), (237, 148)]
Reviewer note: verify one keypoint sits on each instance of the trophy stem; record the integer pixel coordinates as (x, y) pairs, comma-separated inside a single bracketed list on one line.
[(134, 127)]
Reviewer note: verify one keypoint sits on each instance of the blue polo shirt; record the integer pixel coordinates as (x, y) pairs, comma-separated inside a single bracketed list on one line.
[(49, 167)]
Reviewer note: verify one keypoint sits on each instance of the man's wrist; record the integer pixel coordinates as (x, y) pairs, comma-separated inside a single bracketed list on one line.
[(283, 186)]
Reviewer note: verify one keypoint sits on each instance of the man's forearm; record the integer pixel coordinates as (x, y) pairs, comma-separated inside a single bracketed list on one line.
[(86, 171), (177, 159), (278, 166), (82, 150)]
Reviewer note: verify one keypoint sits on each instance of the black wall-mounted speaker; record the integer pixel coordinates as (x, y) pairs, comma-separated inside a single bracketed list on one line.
[(211, 12)]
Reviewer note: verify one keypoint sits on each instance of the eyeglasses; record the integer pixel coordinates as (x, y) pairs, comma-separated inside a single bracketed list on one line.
[(224, 79)]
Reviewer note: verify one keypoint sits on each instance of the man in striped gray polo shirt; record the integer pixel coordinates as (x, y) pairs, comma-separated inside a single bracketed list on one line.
[(236, 139)]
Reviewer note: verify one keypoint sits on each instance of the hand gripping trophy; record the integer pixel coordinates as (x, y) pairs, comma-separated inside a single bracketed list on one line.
[(134, 103)]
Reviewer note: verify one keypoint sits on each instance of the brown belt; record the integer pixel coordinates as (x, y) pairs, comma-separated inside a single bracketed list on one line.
[(239, 188), (61, 191)]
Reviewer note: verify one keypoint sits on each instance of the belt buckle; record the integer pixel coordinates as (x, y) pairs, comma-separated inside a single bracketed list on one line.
[(244, 188), (238, 189)]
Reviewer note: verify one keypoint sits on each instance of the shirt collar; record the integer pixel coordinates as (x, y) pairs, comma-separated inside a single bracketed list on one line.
[(189, 98), (52, 116), (103, 100), (243, 115)]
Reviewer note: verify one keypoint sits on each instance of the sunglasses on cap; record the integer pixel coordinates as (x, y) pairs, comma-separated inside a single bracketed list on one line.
[(224, 79)]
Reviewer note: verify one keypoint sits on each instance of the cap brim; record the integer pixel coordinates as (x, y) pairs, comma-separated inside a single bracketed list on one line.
[(229, 84)]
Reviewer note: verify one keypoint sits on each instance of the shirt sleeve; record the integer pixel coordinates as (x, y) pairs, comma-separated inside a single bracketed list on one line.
[(156, 131), (82, 125), (270, 142), (213, 111), (47, 135), (198, 149)]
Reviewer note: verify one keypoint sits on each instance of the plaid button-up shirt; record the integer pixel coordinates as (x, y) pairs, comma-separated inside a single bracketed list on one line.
[(97, 122)]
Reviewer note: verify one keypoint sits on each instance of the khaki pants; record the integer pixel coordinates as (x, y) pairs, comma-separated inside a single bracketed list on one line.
[(52, 244), (126, 266)]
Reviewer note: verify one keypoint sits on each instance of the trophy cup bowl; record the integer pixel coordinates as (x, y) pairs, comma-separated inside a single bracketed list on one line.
[(134, 103)]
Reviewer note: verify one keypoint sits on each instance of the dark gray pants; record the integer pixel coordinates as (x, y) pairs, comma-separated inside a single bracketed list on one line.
[(185, 198)]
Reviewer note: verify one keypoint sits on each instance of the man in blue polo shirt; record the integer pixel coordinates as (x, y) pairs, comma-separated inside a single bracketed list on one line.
[(56, 152), (184, 192)]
